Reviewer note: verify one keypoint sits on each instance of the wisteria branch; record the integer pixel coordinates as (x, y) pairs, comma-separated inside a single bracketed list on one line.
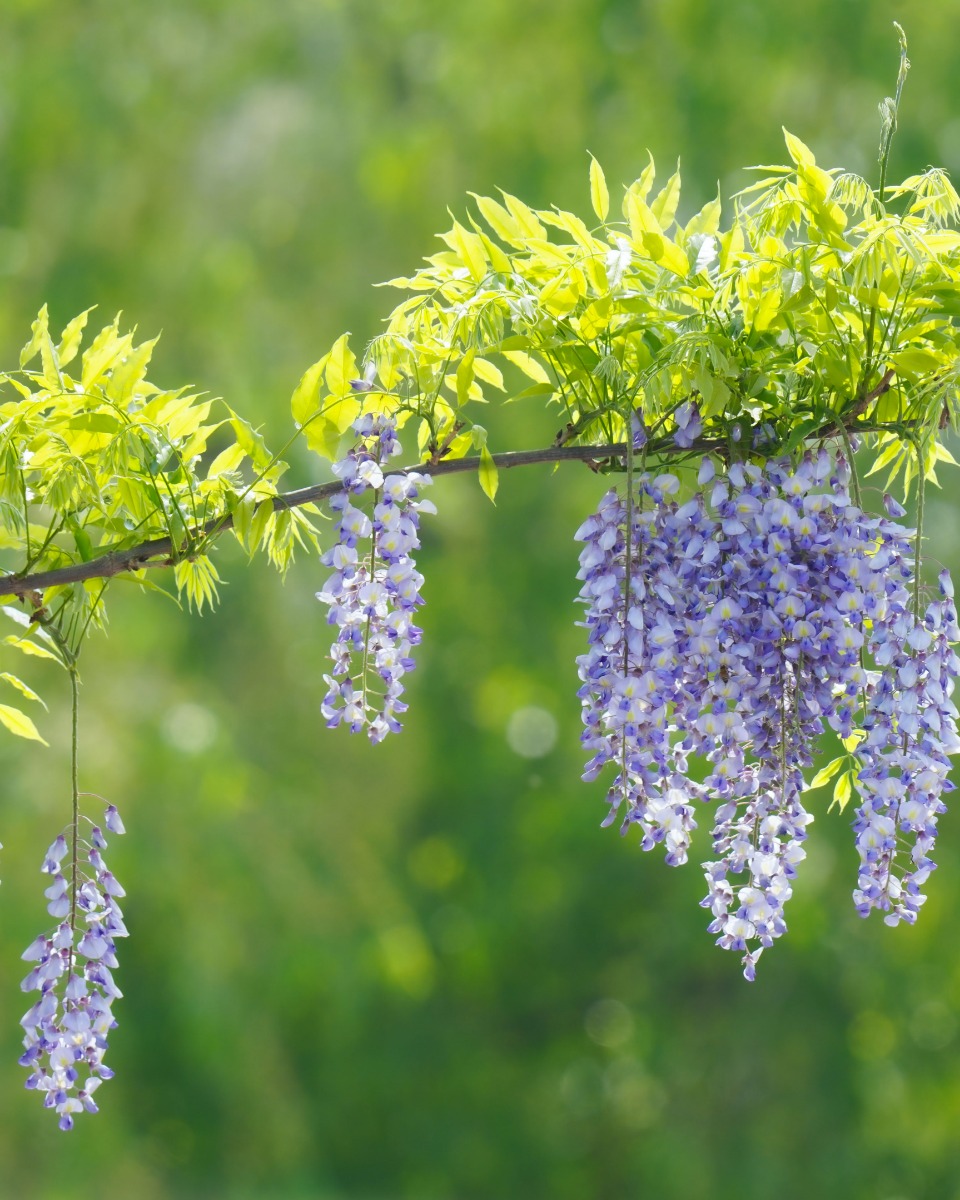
[(162, 552)]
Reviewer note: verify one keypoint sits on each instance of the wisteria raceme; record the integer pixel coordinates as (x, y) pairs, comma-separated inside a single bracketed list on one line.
[(66, 1029), (374, 590), (735, 627), (911, 734)]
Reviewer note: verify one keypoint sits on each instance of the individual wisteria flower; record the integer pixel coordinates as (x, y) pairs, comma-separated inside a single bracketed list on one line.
[(374, 591), (638, 430), (735, 627), (66, 1029), (689, 426)]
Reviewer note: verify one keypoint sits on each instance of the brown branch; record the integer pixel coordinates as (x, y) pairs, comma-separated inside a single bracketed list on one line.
[(161, 552), (864, 401)]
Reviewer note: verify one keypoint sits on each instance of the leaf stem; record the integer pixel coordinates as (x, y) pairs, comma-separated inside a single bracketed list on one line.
[(75, 798), (921, 481)]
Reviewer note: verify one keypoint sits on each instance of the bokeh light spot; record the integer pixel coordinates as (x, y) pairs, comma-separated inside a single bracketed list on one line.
[(190, 728), (531, 732), (609, 1023)]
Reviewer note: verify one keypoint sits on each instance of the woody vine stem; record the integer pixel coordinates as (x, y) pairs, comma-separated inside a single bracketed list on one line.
[(162, 552)]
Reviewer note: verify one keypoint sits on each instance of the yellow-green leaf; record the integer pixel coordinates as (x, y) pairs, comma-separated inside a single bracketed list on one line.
[(226, 460), (595, 318), (251, 440), (528, 365), (37, 331), (198, 578), (465, 378), (825, 774), (640, 187), (715, 395), (498, 260), (706, 221), (25, 646), (489, 477), (242, 511), (20, 724), (469, 249), (187, 420), (664, 204), (524, 216), (599, 192), (732, 246), (71, 337), (640, 217), (103, 352), (341, 366), (572, 224), (646, 233), (262, 519), (668, 254), (128, 375), (801, 153), (768, 306), (843, 790), (887, 455), (499, 220), (306, 397), (562, 294), (323, 437), (488, 372), (21, 687), (916, 363)]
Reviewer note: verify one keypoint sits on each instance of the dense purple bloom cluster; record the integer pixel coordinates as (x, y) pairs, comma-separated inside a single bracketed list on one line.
[(66, 1029), (737, 625), (374, 590)]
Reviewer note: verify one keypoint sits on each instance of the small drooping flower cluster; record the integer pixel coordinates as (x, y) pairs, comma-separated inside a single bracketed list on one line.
[(735, 627), (374, 590), (66, 1029), (911, 734)]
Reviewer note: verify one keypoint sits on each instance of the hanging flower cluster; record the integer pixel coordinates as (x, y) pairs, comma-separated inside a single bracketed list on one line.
[(66, 1029), (911, 733), (737, 626), (374, 590)]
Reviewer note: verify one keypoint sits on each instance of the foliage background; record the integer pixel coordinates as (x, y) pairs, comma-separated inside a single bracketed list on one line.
[(420, 970)]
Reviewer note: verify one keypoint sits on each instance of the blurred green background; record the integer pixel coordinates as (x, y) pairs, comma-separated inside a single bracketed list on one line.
[(420, 970)]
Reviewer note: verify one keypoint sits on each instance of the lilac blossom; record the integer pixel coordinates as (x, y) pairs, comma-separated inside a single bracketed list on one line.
[(734, 627), (374, 591), (66, 1029)]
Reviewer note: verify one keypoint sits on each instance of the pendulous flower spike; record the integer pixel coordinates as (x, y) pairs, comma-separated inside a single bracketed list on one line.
[(65, 1030), (736, 628)]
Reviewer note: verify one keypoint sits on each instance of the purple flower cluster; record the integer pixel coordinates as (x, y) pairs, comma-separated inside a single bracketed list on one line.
[(911, 732), (66, 1029), (374, 590), (734, 627)]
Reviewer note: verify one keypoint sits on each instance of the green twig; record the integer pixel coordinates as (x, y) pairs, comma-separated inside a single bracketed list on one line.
[(889, 109)]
